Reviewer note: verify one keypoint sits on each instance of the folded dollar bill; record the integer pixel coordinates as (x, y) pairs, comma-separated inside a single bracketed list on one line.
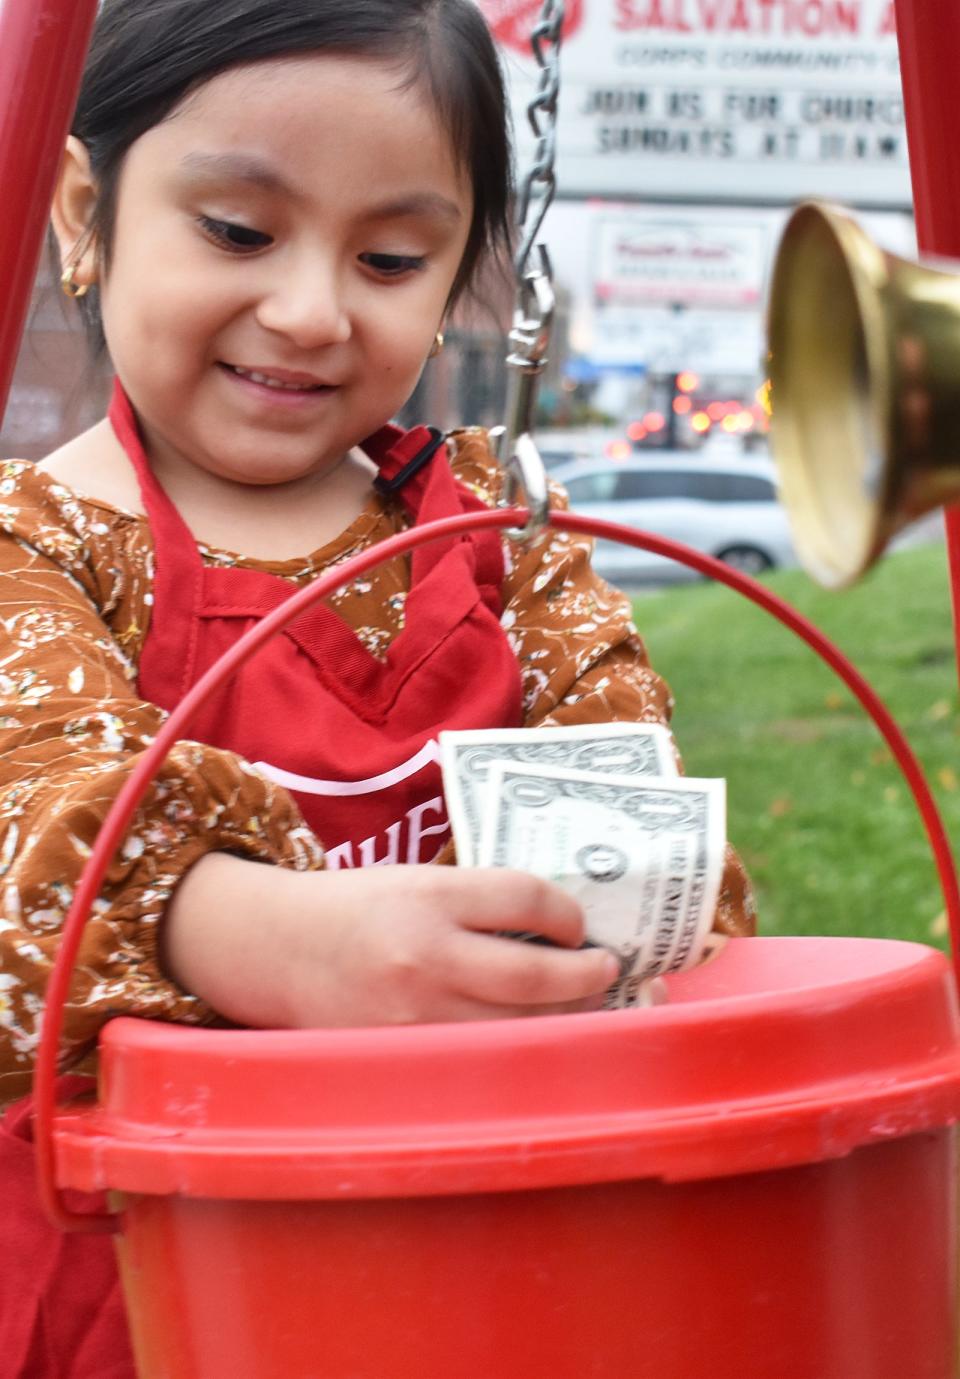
[(621, 749), (642, 855)]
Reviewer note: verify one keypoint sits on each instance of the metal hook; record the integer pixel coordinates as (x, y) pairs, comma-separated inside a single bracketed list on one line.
[(533, 317), (525, 481), (525, 486)]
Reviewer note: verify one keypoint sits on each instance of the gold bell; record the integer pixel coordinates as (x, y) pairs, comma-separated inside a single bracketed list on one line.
[(864, 368)]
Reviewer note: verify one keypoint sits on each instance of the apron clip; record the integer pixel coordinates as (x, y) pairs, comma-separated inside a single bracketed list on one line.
[(388, 487)]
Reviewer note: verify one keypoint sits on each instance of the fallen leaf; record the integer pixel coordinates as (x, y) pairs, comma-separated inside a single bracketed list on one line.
[(947, 777), (835, 700), (891, 794), (780, 806), (880, 756), (939, 928), (940, 710)]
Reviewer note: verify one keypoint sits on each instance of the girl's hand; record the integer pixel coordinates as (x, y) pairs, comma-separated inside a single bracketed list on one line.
[(377, 946)]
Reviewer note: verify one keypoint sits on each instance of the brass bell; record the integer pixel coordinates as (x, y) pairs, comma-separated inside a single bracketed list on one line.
[(865, 390)]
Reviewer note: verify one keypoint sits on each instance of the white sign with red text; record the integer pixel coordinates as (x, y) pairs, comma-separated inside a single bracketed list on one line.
[(720, 100), (678, 258)]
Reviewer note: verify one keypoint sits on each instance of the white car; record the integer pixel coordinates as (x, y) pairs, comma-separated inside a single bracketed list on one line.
[(723, 506)]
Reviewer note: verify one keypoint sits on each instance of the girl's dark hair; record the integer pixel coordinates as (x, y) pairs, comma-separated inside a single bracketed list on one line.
[(148, 55)]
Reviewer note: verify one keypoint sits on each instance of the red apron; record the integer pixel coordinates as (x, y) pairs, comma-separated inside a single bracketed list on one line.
[(352, 737)]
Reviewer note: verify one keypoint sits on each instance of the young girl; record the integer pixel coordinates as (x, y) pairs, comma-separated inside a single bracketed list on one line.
[(269, 208)]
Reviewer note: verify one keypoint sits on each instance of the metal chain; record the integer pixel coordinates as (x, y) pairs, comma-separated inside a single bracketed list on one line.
[(525, 482), (539, 186)]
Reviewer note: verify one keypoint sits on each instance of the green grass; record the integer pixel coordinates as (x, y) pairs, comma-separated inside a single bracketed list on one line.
[(817, 806)]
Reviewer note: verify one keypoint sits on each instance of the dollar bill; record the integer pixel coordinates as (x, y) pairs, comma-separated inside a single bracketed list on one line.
[(644, 858), (621, 749)]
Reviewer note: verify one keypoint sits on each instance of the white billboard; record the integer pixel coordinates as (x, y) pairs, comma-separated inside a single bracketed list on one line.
[(765, 101)]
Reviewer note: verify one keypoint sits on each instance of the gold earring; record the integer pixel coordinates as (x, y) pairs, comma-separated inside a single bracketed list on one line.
[(70, 288), (437, 345)]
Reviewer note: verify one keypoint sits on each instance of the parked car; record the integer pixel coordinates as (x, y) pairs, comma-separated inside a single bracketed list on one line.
[(566, 447), (724, 506)]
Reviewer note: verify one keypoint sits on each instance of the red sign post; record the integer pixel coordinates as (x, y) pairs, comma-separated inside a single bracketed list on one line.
[(42, 47), (929, 40)]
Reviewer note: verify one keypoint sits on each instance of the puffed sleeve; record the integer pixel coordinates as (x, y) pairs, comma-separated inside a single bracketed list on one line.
[(72, 727), (581, 657)]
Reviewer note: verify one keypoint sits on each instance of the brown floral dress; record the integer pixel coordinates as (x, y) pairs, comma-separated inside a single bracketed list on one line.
[(76, 578)]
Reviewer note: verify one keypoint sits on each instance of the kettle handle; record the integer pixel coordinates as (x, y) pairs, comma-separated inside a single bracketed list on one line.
[(121, 812)]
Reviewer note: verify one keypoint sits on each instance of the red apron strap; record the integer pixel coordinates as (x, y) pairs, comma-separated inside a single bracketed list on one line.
[(415, 465), (448, 578), (428, 491), (178, 572)]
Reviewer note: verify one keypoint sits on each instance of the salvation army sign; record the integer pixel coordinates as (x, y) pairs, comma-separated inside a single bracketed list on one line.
[(512, 21), (730, 101)]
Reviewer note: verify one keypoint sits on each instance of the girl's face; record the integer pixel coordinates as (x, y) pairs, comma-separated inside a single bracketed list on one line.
[(284, 248)]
